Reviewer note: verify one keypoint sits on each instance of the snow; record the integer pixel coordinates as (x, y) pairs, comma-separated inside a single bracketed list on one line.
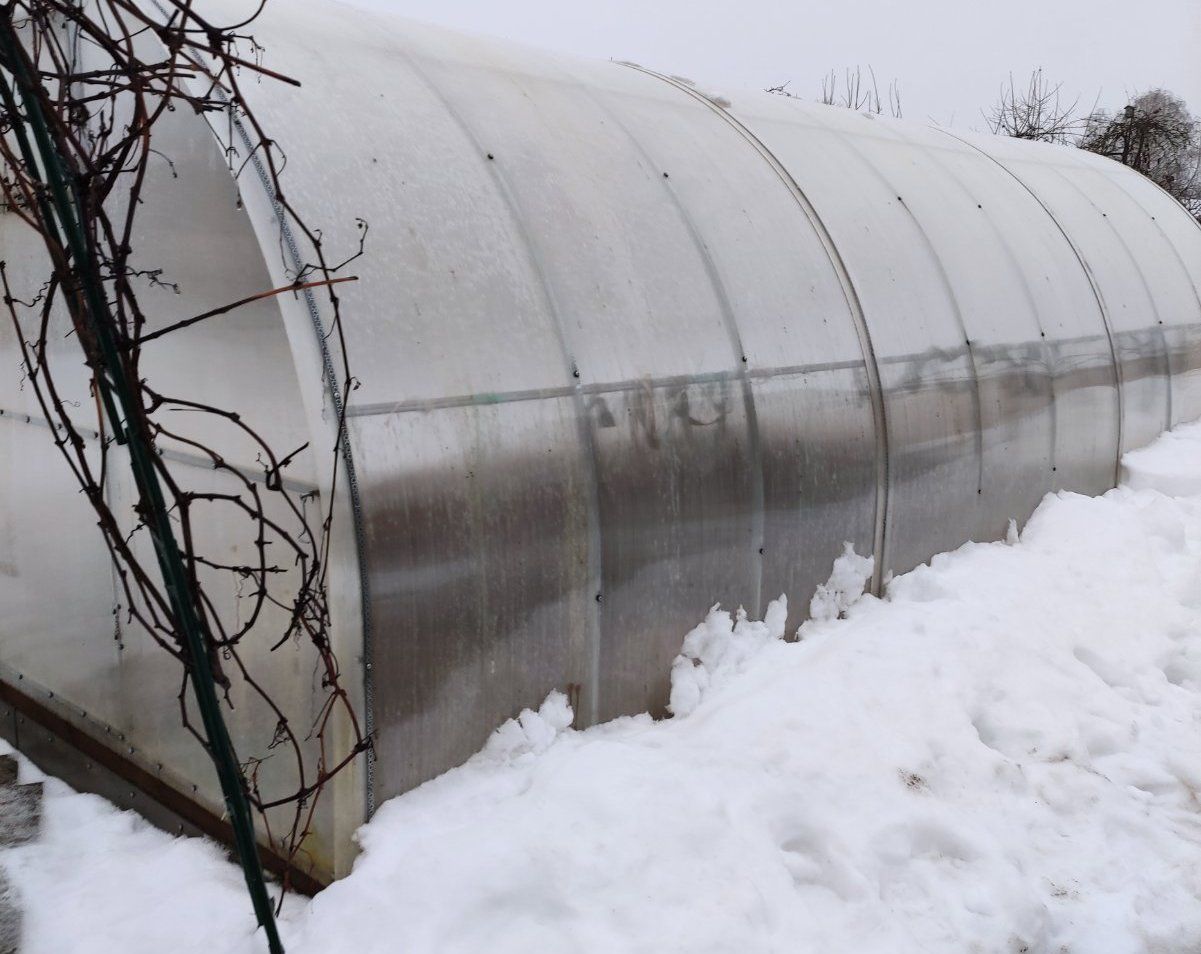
[(1002, 755), (1172, 464), (102, 880), (531, 733), (718, 648), (846, 584)]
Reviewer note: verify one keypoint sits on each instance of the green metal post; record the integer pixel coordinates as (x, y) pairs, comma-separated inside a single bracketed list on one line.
[(62, 203)]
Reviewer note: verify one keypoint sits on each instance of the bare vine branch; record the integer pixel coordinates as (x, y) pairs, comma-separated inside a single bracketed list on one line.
[(102, 116)]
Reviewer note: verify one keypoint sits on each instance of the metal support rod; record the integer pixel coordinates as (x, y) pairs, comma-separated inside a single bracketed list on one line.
[(62, 203)]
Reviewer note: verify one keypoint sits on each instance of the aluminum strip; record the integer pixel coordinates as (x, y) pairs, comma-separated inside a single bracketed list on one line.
[(898, 481), (576, 392), (1146, 285), (853, 303), (741, 374), (1104, 311)]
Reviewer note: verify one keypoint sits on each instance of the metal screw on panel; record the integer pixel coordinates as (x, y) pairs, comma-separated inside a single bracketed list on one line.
[(599, 598)]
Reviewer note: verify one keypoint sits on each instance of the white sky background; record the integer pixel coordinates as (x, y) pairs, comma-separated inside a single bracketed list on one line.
[(949, 56)]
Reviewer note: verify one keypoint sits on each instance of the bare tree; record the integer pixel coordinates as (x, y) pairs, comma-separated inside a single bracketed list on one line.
[(853, 91), (1157, 135), (860, 94), (1036, 111)]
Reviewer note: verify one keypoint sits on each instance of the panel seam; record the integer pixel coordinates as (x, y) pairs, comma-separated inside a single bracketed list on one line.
[(576, 391), (741, 370), (855, 305), (343, 438), (1146, 286), (1092, 283)]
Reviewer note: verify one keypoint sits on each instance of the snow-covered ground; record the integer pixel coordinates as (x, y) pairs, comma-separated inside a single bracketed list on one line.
[(1003, 755)]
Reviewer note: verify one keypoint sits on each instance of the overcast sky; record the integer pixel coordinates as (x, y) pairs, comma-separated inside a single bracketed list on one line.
[(949, 56)]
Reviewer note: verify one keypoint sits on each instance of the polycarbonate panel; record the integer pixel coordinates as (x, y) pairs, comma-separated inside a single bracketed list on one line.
[(193, 251), (56, 591), (448, 303), (676, 521), (1068, 345), (193, 227), (196, 250), (480, 538), (816, 438), (1181, 234), (999, 319), (583, 192), (1129, 298), (916, 325), (1175, 297), (676, 473), (27, 267), (138, 693), (59, 630), (804, 364), (452, 315)]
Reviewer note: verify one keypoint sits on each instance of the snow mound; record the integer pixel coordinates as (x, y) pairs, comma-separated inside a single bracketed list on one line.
[(850, 576), (103, 881), (1171, 465), (531, 733), (718, 649)]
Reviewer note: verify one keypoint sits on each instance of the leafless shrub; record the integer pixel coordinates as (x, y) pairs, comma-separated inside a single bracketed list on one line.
[(853, 91), (1036, 111), (861, 94)]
